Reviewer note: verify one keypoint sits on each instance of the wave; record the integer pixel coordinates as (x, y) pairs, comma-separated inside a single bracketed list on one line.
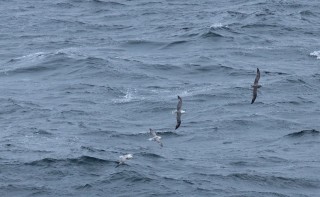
[(218, 26), (307, 13), (91, 149), (83, 187), (218, 30), (289, 102), (74, 112), (300, 102), (29, 69), (244, 164), (143, 44), (259, 193), (236, 14), (89, 88), (17, 189), (273, 159), (64, 5), (149, 3), (316, 54), (145, 134), (219, 68), (14, 106), (211, 34), (30, 57), (160, 67), (72, 52), (175, 43), (149, 155), (129, 176), (121, 135), (100, 132), (303, 133), (236, 123), (41, 132), (129, 96), (108, 3), (276, 181), (168, 133), (295, 80), (259, 25), (274, 73), (45, 61), (83, 160)]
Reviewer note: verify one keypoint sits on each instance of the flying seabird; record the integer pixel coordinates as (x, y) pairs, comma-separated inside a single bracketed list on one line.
[(179, 112), (124, 158), (155, 137), (256, 86)]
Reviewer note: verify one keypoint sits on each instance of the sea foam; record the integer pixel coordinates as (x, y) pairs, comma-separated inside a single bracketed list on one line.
[(316, 54)]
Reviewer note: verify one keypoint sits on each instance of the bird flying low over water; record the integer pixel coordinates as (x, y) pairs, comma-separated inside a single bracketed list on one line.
[(256, 86), (155, 137), (124, 158), (179, 112)]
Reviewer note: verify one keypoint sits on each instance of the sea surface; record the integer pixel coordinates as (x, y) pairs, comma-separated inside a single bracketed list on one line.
[(82, 81)]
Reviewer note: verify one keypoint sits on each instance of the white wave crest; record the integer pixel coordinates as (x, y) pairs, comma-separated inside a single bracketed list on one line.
[(72, 52), (130, 95), (31, 57), (217, 26), (316, 54)]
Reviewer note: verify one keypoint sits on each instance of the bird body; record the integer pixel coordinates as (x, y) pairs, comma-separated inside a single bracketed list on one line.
[(155, 137), (124, 158)]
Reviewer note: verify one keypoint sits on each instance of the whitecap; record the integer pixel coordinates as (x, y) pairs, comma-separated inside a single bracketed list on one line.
[(217, 26), (130, 95), (23, 61), (72, 52), (316, 54), (31, 57)]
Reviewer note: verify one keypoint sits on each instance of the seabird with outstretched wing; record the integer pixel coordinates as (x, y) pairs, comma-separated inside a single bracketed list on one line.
[(155, 137), (256, 86), (179, 111)]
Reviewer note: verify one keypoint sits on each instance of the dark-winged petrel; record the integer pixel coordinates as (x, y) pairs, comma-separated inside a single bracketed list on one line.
[(256, 86)]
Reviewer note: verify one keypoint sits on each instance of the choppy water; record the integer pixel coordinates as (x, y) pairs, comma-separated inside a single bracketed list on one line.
[(82, 81)]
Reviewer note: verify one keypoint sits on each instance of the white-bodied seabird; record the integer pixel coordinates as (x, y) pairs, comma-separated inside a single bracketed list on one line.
[(124, 158), (155, 137)]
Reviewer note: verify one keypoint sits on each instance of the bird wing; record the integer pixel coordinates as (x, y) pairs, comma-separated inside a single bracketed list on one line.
[(255, 93), (257, 77), (179, 103), (178, 119)]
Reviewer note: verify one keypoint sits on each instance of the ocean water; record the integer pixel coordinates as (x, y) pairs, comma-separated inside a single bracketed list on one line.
[(82, 81)]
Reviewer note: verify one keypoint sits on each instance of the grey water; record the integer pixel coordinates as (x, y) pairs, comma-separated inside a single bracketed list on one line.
[(82, 81)]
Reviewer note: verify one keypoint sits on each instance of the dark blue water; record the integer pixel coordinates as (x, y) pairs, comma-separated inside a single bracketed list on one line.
[(82, 81)]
